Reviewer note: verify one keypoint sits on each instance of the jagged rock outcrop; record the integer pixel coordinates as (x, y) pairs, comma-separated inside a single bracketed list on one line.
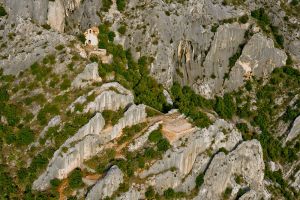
[(88, 76), (296, 183), (184, 156), (86, 143), (246, 160), (259, 58), (225, 44), (295, 130), (73, 152), (112, 96), (106, 186)]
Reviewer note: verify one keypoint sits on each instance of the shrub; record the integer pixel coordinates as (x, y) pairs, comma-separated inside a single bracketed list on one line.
[(155, 136), (199, 180), (4, 96), (163, 145), (106, 4), (122, 29), (75, 179), (169, 193), (111, 35), (121, 4), (25, 136), (227, 193), (65, 84), (150, 193), (81, 38), (2, 11), (55, 182), (244, 19)]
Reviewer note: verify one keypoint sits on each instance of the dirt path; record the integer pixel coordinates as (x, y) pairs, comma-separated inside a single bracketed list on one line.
[(61, 189)]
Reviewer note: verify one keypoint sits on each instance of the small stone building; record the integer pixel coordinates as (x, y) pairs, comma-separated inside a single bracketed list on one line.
[(91, 36)]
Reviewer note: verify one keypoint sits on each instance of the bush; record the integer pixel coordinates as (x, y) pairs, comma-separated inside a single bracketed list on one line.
[(106, 4), (227, 193), (55, 182), (155, 136), (225, 107), (65, 84), (122, 29), (2, 11), (163, 145), (25, 136), (244, 19), (169, 193), (199, 180), (121, 4), (150, 193), (75, 179)]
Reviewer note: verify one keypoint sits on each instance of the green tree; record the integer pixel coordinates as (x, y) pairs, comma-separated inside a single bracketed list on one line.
[(75, 179)]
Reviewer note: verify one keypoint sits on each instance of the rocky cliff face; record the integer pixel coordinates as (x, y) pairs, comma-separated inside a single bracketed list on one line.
[(60, 110)]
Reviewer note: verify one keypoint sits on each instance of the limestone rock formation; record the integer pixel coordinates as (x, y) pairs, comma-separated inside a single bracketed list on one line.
[(246, 160), (88, 76), (259, 58), (73, 152), (106, 186), (295, 131), (112, 96), (225, 44)]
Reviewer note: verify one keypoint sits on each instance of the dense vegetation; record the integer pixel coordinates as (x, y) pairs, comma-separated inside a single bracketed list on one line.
[(131, 74), (191, 104)]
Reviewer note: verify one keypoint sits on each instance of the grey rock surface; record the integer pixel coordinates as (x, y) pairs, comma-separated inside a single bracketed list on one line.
[(295, 130), (88, 76), (259, 58), (106, 186), (246, 160)]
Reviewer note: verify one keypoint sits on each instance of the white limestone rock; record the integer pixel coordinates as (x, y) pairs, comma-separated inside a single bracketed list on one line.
[(259, 58), (246, 160), (135, 192), (106, 186), (112, 96), (83, 145), (296, 183), (295, 131), (88, 76)]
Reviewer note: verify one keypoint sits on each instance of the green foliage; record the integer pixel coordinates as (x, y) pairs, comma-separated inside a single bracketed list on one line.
[(171, 194), (25, 136), (227, 193), (295, 2), (199, 180), (106, 4), (244, 19), (65, 84), (46, 112), (191, 104), (243, 128), (112, 117), (4, 96), (2, 11), (155, 136), (111, 35), (55, 182), (163, 145), (262, 17), (121, 5), (75, 179), (129, 132), (225, 106), (7, 185), (214, 28), (40, 72), (150, 193), (233, 59), (81, 38), (122, 29)]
